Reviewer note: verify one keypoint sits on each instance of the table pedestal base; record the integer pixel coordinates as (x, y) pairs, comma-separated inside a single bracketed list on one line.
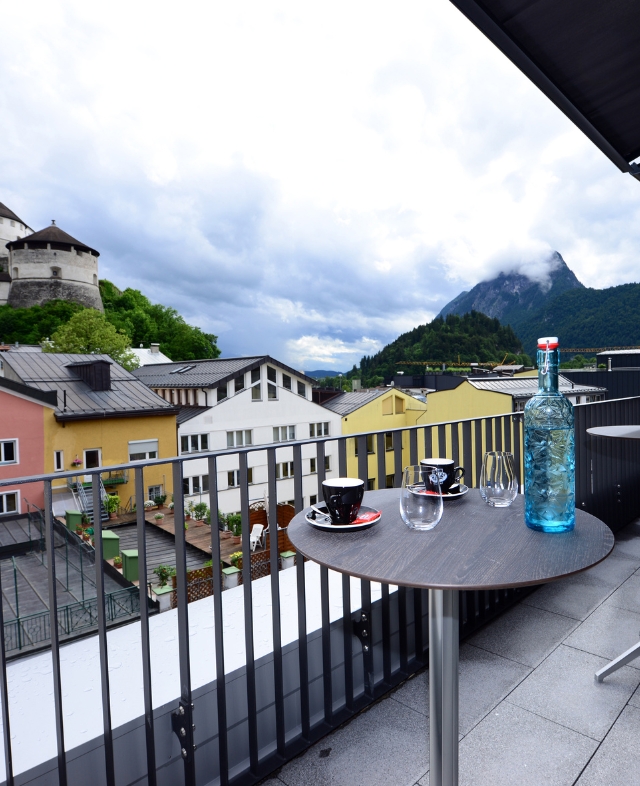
[(631, 654), (443, 687)]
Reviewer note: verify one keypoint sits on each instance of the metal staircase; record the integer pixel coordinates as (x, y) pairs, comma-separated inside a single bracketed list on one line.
[(84, 493)]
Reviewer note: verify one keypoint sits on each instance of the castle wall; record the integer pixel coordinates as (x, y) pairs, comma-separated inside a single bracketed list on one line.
[(11, 230), (40, 275), (5, 286)]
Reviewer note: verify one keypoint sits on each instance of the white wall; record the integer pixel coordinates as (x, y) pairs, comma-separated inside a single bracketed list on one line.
[(9, 233), (239, 412)]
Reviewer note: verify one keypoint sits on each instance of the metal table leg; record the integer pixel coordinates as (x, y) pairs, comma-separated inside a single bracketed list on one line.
[(631, 654), (443, 687)]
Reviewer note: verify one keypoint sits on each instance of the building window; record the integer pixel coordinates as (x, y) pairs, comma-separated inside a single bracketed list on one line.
[(9, 452), (13, 223), (327, 463), (198, 484), (313, 499), (318, 429), (399, 402), (233, 477), (236, 439), (284, 470), (222, 392), (370, 444), (55, 272), (371, 484), (256, 393), (272, 392), (312, 466), (284, 433), (154, 491), (388, 443), (95, 280), (58, 461), (286, 381), (302, 389), (255, 375), (9, 502), (238, 383), (389, 481), (193, 443), (271, 374), (140, 450)]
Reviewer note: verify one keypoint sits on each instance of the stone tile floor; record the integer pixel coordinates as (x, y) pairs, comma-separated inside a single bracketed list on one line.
[(531, 712)]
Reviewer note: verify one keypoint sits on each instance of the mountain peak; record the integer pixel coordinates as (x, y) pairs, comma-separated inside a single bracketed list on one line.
[(513, 296)]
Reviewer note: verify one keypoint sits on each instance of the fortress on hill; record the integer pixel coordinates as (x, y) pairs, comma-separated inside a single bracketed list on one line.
[(37, 267)]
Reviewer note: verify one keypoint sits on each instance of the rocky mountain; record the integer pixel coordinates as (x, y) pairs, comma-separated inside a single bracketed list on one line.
[(513, 297)]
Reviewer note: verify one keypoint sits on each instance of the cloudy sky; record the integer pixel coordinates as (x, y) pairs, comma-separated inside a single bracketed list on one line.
[(303, 179)]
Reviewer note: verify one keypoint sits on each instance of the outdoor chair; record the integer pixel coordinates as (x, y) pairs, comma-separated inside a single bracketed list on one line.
[(256, 536)]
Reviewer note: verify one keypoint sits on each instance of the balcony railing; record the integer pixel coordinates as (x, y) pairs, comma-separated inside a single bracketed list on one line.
[(301, 650)]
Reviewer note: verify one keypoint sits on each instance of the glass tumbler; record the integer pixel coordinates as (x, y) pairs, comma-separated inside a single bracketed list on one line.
[(498, 481), (420, 509)]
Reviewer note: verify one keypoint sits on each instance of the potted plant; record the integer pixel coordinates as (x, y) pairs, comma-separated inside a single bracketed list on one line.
[(171, 506), (160, 500), (188, 509), (117, 562), (149, 504), (164, 573), (236, 558), (200, 511), (79, 531), (234, 521), (225, 532), (76, 462), (113, 505), (159, 516)]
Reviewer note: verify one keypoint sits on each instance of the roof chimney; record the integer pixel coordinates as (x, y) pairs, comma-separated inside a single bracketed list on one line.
[(155, 348)]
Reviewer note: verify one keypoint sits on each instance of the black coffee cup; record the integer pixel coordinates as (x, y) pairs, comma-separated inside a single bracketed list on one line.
[(440, 470), (343, 497)]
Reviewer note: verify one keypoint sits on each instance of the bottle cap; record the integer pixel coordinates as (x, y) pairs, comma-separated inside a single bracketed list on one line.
[(553, 342)]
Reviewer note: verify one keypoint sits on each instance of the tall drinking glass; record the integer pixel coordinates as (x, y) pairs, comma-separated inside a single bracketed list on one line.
[(420, 509), (498, 481)]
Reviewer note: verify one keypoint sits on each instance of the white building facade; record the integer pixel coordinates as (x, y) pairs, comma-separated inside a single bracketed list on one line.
[(232, 403)]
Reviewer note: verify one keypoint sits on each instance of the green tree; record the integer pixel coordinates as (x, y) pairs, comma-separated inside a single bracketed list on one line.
[(89, 332)]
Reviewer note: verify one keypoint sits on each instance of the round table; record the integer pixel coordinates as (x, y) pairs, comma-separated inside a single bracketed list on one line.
[(474, 547), (617, 432)]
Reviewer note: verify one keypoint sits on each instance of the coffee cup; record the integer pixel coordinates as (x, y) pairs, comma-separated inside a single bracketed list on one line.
[(343, 497), (440, 471)]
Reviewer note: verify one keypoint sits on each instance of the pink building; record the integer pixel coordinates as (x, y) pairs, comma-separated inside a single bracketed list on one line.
[(22, 443)]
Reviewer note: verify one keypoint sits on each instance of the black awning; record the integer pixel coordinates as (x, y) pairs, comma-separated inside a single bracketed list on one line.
[(583, 54)]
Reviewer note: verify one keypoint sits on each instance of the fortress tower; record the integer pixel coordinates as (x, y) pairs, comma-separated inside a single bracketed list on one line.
[(51, 265), (11, 228)]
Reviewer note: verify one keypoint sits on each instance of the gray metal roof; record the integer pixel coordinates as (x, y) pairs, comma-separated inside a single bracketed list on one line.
[(49, 371), (186, 413), (206, 373), (620, 352), (521, 387), (346, 403)]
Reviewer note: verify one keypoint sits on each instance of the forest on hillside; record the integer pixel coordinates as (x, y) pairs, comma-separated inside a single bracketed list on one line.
[(472, 338), (132, 312)]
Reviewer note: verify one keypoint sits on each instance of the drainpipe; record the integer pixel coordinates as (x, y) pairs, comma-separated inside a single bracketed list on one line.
[(609, 364)]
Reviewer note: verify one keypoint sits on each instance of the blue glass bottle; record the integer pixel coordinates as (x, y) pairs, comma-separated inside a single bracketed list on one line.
[(549, 449)]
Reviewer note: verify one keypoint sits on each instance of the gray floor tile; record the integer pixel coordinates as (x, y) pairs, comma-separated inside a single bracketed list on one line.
[(627, 596), (628, 541), (608, 632), (614, 569), (388, 744), (635, 699), (617, 760), (575, 597), (485, 679), (512, 746), (563, 686), (524, 634)]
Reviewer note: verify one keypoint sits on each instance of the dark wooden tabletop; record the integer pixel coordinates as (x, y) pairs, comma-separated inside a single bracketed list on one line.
[(474, 546), (616, 432)]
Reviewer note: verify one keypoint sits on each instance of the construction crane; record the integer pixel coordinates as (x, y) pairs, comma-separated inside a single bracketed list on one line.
[(595, 349), (445, 362)]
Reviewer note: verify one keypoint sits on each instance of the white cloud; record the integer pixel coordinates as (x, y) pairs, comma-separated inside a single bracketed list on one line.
[(323, 351), (279, 169)]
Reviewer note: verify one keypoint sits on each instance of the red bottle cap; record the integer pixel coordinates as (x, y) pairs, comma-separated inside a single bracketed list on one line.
[(551, 341)]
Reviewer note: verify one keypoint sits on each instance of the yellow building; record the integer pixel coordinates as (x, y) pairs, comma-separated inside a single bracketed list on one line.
[(377, 410), (104, 417)]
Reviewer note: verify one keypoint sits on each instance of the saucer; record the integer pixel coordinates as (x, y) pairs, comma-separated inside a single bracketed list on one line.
[(449, 495), (367, 517)]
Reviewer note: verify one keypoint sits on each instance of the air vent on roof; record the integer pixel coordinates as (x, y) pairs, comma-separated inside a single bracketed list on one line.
[(95, 373), (182, 369)]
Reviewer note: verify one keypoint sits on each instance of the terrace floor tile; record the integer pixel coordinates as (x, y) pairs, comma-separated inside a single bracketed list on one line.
[(563, 687), (608, 632), (614, 569), (635, 699), (627, 596), (525, 634), (617, 760), (387, 744), (575, 597), (485, 679)]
